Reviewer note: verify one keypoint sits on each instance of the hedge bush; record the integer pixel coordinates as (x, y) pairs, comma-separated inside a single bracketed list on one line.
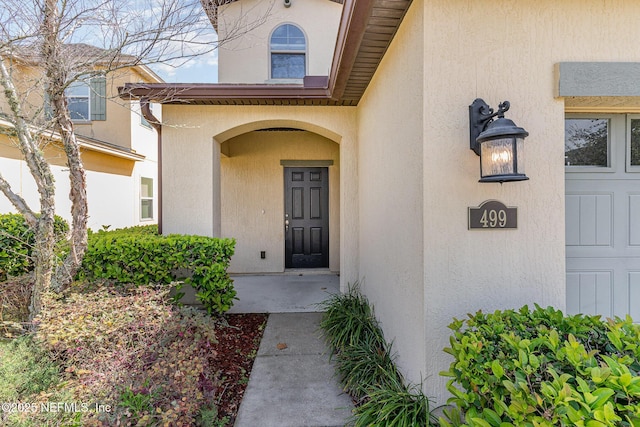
[(541, 368), (139, 256), (17, 240)]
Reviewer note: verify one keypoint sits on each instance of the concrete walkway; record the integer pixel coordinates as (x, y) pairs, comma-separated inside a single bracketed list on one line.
[(292, 383)]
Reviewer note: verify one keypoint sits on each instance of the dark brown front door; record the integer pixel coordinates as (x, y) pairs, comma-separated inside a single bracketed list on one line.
[(306, 214)]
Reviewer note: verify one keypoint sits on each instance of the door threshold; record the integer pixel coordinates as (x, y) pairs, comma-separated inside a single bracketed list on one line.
[(307, 271), (291, 272)]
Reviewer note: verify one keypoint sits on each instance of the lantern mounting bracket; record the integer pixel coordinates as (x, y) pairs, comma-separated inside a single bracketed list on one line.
[(480, 115)]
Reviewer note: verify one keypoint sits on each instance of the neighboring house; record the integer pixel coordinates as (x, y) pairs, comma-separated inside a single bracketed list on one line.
[(367, 170), (118, 146)]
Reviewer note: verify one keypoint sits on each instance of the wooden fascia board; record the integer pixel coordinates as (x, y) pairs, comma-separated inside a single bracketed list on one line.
[(204, 91)]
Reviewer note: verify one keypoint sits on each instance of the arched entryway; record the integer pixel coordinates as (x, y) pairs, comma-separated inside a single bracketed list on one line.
[(280, 197)]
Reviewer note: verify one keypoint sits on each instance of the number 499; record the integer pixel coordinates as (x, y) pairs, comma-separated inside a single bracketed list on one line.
[(493, 219)]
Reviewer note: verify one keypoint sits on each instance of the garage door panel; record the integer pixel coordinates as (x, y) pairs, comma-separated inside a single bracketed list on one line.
[(634, 295), (634, 219), (590, 292), (589, 220), (603, 225)]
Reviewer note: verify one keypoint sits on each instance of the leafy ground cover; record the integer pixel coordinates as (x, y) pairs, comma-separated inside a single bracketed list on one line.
[(123, 356)]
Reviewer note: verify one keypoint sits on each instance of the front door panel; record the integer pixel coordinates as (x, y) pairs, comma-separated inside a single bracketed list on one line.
[(306, 217)]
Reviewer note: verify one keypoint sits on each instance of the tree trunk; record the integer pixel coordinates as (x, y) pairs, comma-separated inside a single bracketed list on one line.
[(43, 256), (79, 207), (56, 75), (43, 253)]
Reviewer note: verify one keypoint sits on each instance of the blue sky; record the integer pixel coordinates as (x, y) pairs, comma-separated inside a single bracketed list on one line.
[(201, 69)]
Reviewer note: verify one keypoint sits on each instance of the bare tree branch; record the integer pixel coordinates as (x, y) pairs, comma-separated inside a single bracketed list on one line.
[(17, 201), (62, 42)]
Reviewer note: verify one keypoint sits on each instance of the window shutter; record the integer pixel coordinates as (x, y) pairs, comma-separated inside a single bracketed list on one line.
[(98, 96)]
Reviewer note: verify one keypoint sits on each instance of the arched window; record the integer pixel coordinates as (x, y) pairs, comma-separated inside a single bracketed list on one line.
[(288, 53)]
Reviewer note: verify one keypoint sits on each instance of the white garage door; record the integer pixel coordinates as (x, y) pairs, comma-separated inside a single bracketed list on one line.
[(602, 170)]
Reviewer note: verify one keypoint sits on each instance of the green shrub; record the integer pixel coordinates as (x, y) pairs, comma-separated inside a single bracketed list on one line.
[(366, 365), (541, 368), (151, 229), (16, 244), (139, 256)]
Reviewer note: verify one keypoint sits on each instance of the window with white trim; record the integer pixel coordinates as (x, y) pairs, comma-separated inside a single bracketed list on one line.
[(602, 142), (288, 47), (87, 100), (146, 199), (79, 101)]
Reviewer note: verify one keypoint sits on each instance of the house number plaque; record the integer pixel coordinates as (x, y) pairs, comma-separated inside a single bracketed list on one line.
[(491, 215)]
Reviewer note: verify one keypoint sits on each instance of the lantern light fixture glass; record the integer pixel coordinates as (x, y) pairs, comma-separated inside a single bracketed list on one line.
[(499, 143)]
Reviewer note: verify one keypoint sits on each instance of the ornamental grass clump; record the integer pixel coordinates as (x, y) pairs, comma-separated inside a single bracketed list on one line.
[(394, 406), (349, 320), (366, 365), (541, 368)]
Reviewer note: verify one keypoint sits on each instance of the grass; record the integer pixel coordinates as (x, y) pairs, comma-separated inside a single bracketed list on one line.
[(364, 366), (29, 375)]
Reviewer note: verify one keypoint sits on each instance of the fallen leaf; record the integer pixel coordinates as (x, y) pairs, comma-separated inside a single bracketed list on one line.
[(281, 346)]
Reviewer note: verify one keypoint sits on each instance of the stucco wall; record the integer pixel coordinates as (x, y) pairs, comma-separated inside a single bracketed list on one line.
[(192, 138), (252, 202), (390, 134), (113, 183), (414, 240), (244, 56), (113, 198), (29, 86), (501, 50)]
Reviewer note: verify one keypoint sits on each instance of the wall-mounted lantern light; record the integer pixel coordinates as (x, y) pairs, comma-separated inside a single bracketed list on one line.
[(499, 143)]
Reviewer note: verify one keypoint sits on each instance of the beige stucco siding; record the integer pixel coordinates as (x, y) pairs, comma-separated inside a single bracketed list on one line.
[(252, 201), (407, 176), (502, 50), (245, 57), (390, 133), (198, 195)]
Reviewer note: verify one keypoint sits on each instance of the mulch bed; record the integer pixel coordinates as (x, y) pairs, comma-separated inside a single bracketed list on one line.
[(236, 350)]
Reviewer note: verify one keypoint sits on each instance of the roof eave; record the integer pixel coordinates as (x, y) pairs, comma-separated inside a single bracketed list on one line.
[(91, 144), (361, 21)]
